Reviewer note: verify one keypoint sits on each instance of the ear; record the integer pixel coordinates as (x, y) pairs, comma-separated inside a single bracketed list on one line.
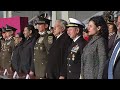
[(46, 25), (78, 30), (30, 31), (98, 28)]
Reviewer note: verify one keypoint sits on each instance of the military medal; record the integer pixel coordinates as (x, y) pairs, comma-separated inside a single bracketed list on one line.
[(75, 48), (50, 39), (73, 57)]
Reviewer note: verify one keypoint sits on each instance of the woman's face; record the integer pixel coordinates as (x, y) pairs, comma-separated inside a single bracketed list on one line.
[(110, 28), (92, 29)]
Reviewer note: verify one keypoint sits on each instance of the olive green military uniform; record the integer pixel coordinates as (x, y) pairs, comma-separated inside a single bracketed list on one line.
[(6, 53), (2, 41), (41, 49)]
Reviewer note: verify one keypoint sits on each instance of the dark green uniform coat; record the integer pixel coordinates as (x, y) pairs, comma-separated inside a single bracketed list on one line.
[(41, 49), (6, 53)]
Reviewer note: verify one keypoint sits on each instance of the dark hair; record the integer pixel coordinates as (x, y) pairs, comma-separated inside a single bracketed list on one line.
[(114, 27), (99, 21), (31, 27), (21, 35)]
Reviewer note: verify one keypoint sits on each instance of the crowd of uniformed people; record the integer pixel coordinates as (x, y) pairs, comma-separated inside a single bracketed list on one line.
[(70, 50)]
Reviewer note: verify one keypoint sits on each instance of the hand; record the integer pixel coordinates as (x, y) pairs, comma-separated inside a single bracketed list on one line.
[(31, 73), (61, 77)]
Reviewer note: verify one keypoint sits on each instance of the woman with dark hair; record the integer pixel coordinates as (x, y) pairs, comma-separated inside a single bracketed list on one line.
[(95, 52), (15, 58), (27, 64)]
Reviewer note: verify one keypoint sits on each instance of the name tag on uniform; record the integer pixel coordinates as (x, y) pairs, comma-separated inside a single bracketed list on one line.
[(40, 39), (75, 48), (50, 39)]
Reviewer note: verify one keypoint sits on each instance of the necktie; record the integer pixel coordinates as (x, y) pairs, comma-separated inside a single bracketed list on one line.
[(112, 60)]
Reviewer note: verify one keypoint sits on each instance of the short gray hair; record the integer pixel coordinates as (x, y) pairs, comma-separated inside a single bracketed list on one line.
[(63, 23)]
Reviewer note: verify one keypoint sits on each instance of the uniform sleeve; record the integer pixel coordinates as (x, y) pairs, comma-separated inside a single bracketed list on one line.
[(102, 55)]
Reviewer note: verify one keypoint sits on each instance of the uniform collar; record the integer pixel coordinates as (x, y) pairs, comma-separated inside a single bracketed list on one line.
[(59, 35), (42, 33), (76, 38)]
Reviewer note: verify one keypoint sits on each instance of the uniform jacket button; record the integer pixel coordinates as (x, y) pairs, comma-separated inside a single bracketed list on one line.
[(69, 71)]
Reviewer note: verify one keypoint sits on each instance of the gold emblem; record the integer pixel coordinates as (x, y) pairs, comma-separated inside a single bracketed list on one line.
[(50, 39)]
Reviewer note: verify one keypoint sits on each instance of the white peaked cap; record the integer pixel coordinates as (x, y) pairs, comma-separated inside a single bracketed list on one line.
[(75, 21)]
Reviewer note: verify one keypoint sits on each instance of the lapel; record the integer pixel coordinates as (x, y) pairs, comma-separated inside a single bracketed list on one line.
[(56, 41), (117, 59)]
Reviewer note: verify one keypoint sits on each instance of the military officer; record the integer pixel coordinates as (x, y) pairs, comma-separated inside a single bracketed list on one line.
[(0, 37), (2, 41), (0, 33), (8, 47), (75, 29), (41, 48)]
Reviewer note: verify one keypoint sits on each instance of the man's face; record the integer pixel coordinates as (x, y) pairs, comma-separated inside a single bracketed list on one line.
[(118, 23), (72, 32), (57, 28), (26, 32), (17, 39), (41, 27), (4, 35), (8, 34)]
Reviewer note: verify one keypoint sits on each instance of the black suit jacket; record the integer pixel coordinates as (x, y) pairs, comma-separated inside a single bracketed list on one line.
[(74, 63), (26, 55), (15, 58), (57, 63)]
